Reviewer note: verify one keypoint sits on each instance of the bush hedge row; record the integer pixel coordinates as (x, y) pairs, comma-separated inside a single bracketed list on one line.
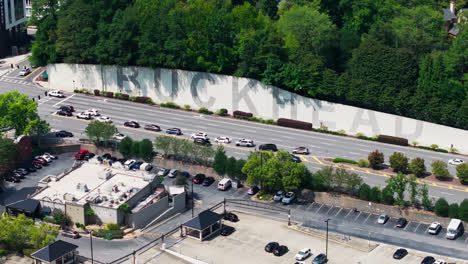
[(393, 140), (294, 123), (108, 234), (433, 149), (339, 160), (240, 114)]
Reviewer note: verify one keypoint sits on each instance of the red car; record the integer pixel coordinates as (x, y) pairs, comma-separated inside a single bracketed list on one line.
[(198, 179), (82, 154), (71, 234), (41, 161)]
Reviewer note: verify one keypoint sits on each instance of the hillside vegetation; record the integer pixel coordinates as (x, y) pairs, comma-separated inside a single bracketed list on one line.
[(393, 56)]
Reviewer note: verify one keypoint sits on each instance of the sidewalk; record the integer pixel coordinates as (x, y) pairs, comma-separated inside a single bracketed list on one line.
[(15, 60)]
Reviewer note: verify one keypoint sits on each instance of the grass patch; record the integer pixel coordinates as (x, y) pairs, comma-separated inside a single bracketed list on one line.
[(341, 160)]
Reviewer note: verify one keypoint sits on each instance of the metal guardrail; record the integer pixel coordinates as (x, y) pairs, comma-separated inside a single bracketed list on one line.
[(255, 204)]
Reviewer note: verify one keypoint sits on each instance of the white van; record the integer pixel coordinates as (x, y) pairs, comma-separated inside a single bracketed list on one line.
[(224, 184), (454, 229)]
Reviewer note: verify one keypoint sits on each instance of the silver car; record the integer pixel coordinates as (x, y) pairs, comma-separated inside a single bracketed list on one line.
[(172, 173), (278, 196), (288, 198)]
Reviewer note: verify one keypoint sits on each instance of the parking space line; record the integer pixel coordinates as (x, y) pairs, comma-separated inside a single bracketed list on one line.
[(417, 227), (466, 239), (307, 209), (338, 211), (367, 218), (348, 213), (357, 216), (329, 210), (407, 224), (318, 209)]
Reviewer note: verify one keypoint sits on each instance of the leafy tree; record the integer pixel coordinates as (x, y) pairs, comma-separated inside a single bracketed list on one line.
[(180, 180), (417, 167), (352, 181), (375, 194), (441, 207), (439, 168), (364, 192), (125, 146), (270, 7), (399, 162), (254, 168), (220, 160), (453, 210), (320, 180), (231, 165), (135, 151), (413, 190), (99, 131), (124, 207), (463, 210), (293, 178), (146, 149), (37, 127), (376, 159), (164, 143), (426, 201), (8, 154), (239, 165), (397, 184), (387, 195), (462, 172)]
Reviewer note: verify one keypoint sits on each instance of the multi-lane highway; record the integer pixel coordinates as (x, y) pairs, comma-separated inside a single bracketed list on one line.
[(320, 145)]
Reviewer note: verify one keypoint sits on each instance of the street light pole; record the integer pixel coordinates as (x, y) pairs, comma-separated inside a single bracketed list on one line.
[(326, 245), (91, 243), (193, 204)]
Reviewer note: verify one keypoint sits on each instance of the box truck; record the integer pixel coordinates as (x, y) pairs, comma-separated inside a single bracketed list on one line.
[(454, 229)]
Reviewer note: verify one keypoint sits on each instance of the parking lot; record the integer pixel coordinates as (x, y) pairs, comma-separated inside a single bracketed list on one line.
[(246, 245)]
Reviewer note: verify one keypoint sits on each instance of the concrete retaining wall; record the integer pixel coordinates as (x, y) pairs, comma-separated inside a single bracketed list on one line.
[(215, 91), (146, 215), (106, 215)]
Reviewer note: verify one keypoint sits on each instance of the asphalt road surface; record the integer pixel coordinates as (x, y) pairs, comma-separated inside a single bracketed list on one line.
[(320, 145)]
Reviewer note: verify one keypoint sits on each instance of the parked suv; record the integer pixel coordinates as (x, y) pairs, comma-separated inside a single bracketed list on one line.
[(288, 198), (269, 146), (245, 143)]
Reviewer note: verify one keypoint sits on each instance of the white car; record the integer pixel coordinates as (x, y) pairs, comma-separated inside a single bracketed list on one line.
[(172, 173), (129, 163), (49, 155), (118, 136), (303, 254), (56, 94), (83, 115), (455, 161), (222, 140), (92, 112), (383, 218), (24, 72), (278, 196), (288, 198), (47, 158), (245, 142), (434, 228), (199, 135), (104, 119), (440, 262)]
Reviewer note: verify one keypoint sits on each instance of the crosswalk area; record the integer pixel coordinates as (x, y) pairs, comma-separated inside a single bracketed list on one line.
[(24, 82)]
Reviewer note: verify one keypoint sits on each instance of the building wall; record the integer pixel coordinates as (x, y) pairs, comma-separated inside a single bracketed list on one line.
[(107, 215), (215, 91), (146, 215), (76, 212)]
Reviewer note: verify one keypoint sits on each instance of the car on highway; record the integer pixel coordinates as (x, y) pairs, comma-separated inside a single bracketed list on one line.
[(455, 161), (92, 112), (320, 259), (280, 251), (118, 136), (279, 195), (64, 113), (230, 217), (70, 234), (57, 94), (295, 159), (162, 172), (208, 181), (401, 222), (198, 179), (152, 127), (434, 228), (400, 253), (383, 218), (428, 260), (288, 198), (202, 141), (83, 115), (24, 72), (268, 146), (271, 246), (199, 135), (172, 173), (303, 254), (252, 190), (174, 131), (227, 230), (104, 119), (133, 124), (301, 150), (68, 108), (63, 133), (245, 142), (225, 140)]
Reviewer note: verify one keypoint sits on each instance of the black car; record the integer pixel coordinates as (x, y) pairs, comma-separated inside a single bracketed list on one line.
[(253, 190), (153, 127), (18, 175), (400, 253), (270, 247), (401, 222), (230, 217), (64, 113), (271, 147), (280, 251), (31, 169), (63, 133), (133, 124), (198, 179), (428, 260), (208, 181), (227, 230), (107, 156), (36, 165), (67, 108), (22, 170), (202, 141), (122, 161), (12, 179), (295, 158)]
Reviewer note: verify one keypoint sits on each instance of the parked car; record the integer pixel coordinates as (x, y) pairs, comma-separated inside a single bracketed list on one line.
[(104, 119), (253, 190), (136, 165), (63, 133), (455, 161), (146, 166), (83, 154), (295, 158), (107, 156), (68, 108), (50, 155), (31, 169), (208, 181), (288, 198), (230, 217), (270, 247), (279, 195), (162, 172), (428, 260), (129, 163), (11, 178), (440, 262), (320, 259), (64, 113), (18, 175), (24, 72), (173, 173), (36, 165), (383, 218), (269, 146), (41, 161), (153, 128), (224, 184), (227, 230), (280, 251), (202, 141), (83, 115), (118, 136), (133, 124), (45, 157), (303, 254), (245, 142), (400, 253), (22, 170), (401, 222), (301, 150), (434, 228), (70, 234), (92, 112), (58, 94), (222, 140), (198, 179), (174, 131)]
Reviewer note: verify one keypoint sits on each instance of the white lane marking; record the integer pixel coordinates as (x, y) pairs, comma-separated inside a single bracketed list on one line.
[(63, 100), (354, 153), (288, 137), (338, 211), (367, 218), (357, 216), (446, 193), (348, 213), (329, 210), (318, 209), (417, 227)]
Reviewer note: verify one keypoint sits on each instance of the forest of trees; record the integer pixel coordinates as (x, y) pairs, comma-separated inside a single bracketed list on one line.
[(393, 56)]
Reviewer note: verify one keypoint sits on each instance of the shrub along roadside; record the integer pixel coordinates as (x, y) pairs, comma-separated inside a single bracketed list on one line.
[(341, 160)]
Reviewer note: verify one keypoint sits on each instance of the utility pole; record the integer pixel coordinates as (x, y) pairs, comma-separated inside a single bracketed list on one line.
[(326, 245), (91, 243), (193, 203)]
